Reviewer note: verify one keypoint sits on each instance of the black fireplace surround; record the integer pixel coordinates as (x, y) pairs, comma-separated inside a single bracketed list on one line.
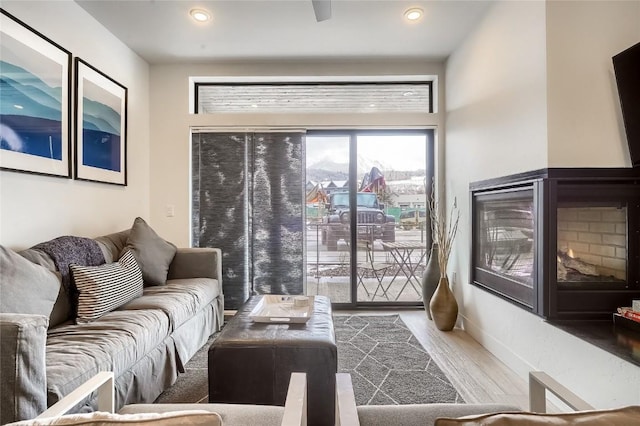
[(561, 243)]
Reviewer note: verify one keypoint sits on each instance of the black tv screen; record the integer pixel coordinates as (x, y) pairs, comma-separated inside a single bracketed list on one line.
[(626, 65)]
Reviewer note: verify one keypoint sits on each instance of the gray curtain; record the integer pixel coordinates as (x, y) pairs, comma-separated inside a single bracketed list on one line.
[(248, 200)]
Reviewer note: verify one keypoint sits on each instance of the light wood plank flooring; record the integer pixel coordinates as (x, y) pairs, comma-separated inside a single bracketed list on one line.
[(477, 375)]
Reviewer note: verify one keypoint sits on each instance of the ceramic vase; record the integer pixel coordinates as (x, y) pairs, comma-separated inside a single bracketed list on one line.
[(430, 278), (443, 306)]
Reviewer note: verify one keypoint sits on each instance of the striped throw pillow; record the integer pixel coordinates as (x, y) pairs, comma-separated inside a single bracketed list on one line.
[(104, 288)]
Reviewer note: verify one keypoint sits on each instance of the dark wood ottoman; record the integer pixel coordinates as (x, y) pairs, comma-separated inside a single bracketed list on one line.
[(252, 362)]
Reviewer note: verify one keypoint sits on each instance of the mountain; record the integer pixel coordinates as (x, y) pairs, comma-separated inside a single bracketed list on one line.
[(328, 169), (364, 165), (329, 165)]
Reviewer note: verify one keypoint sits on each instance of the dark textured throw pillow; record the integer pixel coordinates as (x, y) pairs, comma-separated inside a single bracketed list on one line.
[(103, 288), (26, 288), (154, 254)]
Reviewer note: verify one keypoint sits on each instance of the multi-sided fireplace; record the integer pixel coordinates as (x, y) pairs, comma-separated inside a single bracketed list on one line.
[(565, 243), (561, 243)]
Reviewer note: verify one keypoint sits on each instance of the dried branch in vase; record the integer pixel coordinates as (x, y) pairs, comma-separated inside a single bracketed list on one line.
[(444, 228)]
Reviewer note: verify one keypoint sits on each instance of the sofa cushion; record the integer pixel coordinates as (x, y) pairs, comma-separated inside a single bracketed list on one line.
[(189, 418), (179, 299), (113, 244), (422, 414), (114, 342), (26, 288), (231, 414), (154, 255), (621, 416), (103, 288), (62, 308)]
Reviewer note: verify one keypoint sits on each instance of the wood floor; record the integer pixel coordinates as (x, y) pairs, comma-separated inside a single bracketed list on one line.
[(477, 375)]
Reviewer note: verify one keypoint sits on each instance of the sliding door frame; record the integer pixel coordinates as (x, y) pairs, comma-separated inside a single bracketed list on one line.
[(429, 133)]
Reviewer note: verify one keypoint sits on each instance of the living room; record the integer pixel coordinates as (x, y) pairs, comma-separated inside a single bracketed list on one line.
[(531, 86)]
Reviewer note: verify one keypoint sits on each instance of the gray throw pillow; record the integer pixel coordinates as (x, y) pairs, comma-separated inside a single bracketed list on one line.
[(153, 254), (26, 288)]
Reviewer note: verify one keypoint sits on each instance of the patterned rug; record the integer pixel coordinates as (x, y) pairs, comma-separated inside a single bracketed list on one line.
[(387, 363)]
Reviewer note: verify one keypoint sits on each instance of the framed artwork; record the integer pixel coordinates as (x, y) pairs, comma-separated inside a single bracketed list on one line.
[(101, 126), (35, 108)]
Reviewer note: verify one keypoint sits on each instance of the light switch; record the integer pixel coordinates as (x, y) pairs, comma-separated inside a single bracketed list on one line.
[(170, 210)]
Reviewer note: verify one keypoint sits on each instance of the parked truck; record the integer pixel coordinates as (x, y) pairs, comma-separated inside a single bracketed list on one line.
[(372, 221)]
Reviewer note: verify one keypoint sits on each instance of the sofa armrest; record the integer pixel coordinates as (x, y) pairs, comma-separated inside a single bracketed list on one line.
[(23, 372), (295, 406), (540, 382), (199, 262), (102, 382), (346, 411)]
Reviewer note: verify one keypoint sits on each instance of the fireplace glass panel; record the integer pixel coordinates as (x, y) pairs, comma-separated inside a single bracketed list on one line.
[(592, 243), (505, 243)]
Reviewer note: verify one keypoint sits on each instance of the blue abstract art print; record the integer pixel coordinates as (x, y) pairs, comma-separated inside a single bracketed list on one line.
[(101, 126), (35, 87)]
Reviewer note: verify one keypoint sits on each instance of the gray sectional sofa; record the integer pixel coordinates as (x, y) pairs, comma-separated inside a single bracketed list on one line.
[(145, 342)]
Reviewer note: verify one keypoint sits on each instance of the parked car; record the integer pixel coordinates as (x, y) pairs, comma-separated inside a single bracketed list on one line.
[(372, 222), (413, 218)]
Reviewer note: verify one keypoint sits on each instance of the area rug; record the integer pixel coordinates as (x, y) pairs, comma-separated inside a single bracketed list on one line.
[(386, 362)]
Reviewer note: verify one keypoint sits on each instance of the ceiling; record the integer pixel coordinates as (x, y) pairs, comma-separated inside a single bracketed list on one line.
[(161, 31)]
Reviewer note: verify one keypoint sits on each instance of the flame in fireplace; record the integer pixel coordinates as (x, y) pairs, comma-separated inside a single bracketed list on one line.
[(569, 253)]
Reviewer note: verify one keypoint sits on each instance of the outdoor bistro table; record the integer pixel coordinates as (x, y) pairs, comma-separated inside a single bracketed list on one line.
[(401, 252)]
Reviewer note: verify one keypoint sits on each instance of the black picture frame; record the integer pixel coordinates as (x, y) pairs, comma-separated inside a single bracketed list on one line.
[(100, 127), (35, 106)]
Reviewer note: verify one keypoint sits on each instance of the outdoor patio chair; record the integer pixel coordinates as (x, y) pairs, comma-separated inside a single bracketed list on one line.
[(377, 269)]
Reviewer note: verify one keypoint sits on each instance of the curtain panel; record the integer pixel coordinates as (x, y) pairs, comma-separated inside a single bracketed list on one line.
[(247, 199)]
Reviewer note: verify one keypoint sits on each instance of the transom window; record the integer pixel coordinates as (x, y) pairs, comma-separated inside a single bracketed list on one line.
[(314, 97)]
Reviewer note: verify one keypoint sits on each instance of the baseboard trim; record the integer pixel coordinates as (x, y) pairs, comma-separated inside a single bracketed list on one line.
[(512, 360)]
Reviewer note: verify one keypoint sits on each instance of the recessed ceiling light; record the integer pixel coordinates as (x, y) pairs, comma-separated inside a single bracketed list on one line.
[(372, 105), (407, 94), (200, 15), (254, 106), (413, 14)]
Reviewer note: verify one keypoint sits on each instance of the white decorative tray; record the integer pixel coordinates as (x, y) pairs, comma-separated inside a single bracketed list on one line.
[(283, 309)]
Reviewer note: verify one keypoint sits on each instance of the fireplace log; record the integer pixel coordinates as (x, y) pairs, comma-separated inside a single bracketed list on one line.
[(576, 264), (562, 271)]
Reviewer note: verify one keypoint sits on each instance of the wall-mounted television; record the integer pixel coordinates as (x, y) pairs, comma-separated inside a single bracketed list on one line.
[(626, 65)]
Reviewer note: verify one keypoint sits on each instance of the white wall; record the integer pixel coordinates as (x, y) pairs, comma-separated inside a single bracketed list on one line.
[(36, 208), (170, 132), (499, 121), (585, 122)]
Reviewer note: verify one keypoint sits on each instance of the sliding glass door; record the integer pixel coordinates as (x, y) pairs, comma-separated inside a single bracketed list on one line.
[(367, 228)]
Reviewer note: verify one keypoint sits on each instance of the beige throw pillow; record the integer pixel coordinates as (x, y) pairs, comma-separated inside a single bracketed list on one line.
[(621, 416), (182, 418), (154, 255)]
